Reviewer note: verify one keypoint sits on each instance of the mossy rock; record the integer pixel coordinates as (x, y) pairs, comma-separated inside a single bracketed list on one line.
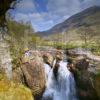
[(97, 84), (14, 91)]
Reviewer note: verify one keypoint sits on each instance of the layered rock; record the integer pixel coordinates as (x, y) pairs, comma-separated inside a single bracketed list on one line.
[(34, 75), (84, 72), (85, 81), (5, 58)]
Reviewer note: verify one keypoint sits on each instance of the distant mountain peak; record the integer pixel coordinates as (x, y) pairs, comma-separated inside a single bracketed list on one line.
[(75, 21)]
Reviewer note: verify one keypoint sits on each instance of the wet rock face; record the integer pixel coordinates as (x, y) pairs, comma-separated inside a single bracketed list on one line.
[(85, 72), (97, 85), (48, 58), (34, 75), (83, 64), (85, 81)]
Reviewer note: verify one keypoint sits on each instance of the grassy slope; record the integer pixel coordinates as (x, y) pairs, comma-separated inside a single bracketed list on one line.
[(71, 35)]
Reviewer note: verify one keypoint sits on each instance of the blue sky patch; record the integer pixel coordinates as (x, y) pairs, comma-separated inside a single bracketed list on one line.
[(44, 14)]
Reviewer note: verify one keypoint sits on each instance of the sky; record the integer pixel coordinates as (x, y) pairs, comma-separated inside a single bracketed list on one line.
[(44, 14)]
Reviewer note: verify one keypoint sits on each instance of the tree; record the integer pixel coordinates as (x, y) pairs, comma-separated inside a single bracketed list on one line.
[(4, 6), (20, 37), (86, 34)]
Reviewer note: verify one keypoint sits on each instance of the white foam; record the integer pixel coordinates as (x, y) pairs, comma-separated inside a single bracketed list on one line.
[(47, 69), (63, 88)]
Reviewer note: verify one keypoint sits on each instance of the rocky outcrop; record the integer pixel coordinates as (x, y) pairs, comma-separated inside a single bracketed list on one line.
[(34, 75), (84, 72), (5, 58), (48, 58), (84, 80), (83, 52)]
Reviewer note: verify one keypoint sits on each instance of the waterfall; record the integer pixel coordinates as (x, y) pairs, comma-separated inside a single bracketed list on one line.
[(63, 88), (47, 69)]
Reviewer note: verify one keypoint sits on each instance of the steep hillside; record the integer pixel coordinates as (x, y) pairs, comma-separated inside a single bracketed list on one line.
[(90, 17)]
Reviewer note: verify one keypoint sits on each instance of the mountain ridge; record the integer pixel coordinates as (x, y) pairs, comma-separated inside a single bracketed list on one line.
[(74, 21)]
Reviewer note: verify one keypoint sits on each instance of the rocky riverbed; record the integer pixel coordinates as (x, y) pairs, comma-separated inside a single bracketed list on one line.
[(85, 71)]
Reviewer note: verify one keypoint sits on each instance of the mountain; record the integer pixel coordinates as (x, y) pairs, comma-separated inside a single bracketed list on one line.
[(89, 17)]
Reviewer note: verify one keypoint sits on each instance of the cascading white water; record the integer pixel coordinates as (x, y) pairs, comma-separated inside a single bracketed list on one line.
[(63, 88), (47, 69)]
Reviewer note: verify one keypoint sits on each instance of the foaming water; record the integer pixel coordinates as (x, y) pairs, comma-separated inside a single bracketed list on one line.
[(47, 70), (62, 88)]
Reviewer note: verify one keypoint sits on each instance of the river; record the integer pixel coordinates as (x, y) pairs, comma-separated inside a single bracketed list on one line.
[(62, 88)]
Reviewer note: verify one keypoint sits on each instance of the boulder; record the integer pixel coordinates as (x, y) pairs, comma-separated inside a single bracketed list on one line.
[(82, 64), (34, 74), (85, 81), (48, 58)]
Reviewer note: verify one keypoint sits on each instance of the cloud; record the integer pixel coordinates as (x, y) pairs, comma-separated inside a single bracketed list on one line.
[(69, 7), (66, 8), (38, 20), (56, 11), (63, 7), (21, 17), (26, 6), (88, 3), (43, 25)]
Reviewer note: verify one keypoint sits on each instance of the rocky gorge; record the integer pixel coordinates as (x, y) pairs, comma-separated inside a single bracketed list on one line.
[(85, 72), (23, 77)]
